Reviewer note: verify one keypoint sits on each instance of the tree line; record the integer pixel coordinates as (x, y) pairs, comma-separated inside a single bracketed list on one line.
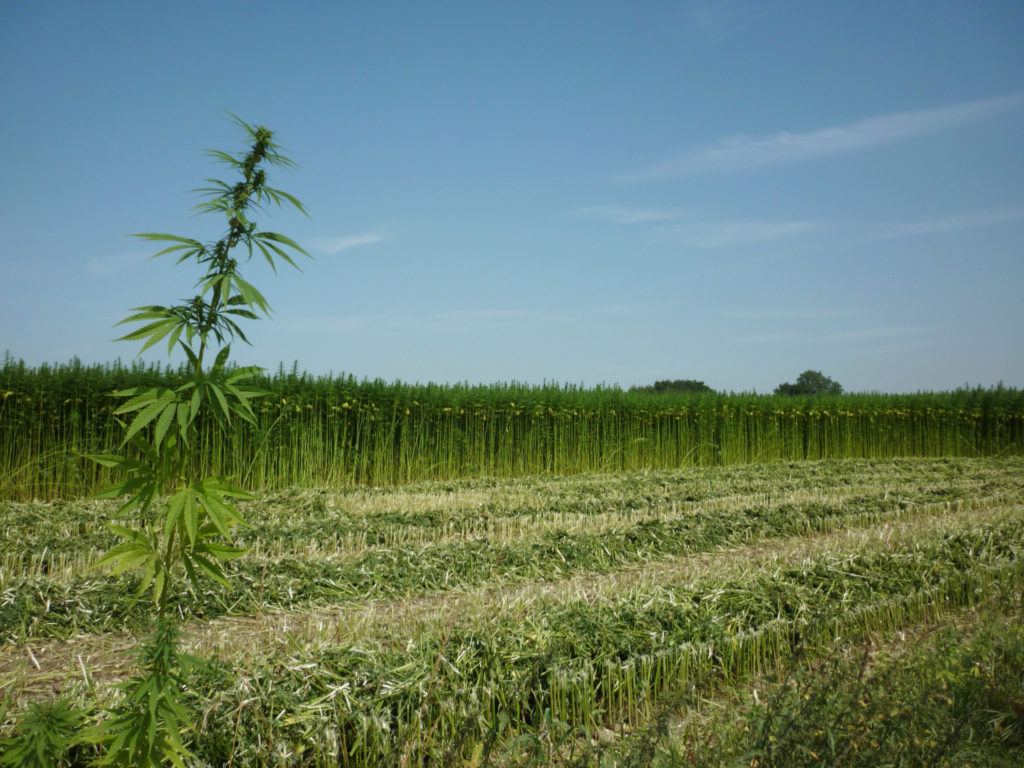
[(807, 383)]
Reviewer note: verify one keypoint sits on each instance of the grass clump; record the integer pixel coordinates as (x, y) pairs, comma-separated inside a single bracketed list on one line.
[(948, 696), (46, 736)]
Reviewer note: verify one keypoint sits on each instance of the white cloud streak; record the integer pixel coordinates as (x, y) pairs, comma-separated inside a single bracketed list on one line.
[(624, 215), (911, 333), (717, 20), (114, 263), (945, 224), (723, 234), (439, 323), (878, 334), (333, 245), (744, 152), (786, 314)]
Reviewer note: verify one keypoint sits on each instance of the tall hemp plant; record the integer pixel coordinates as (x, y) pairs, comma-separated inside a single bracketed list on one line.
[(195, 514), (185, 519)]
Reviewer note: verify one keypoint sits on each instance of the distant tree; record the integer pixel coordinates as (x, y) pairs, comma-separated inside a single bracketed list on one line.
[(810, 383), (678, 385)]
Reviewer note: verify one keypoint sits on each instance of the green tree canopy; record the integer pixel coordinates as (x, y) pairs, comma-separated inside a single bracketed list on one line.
[(677, 385), (810, 383)]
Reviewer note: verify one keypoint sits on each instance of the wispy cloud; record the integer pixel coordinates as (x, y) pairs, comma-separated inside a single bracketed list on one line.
[(852, 336), (333, 245), (883, 333), (438, 323), (745, 152), (952, 223), (626, 215), (786, 314), (770, 338), (114, 263), (717, 20), (483, 320), (339, 325), (722, 234)]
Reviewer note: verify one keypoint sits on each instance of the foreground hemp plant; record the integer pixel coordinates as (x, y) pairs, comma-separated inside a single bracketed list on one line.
[(195, 514), (145, 728), (184, 519)]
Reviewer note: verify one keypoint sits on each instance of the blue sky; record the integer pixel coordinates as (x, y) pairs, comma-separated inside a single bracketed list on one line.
[(585, 192)]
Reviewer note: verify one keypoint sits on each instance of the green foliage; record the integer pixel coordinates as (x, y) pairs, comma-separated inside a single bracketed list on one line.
[(194, 511), (677, 385), (145, 728), (44, 735), (946, 700), (543, 746), (810, 383)]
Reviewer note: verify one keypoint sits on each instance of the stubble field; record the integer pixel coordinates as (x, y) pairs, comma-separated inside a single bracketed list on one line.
[(592, 620)]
